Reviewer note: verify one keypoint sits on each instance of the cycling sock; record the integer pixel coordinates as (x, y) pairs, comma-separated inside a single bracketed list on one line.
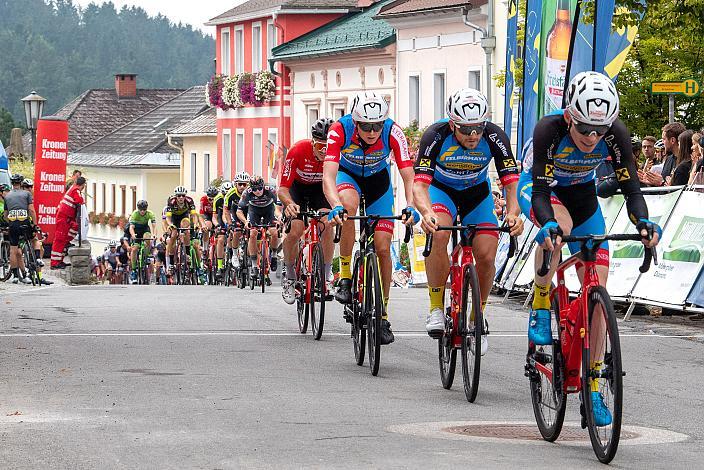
[(290, 271), (37, 254), (220, 263), (596, 367), (134, 263), (39, 275), (385, 316), (171, 260), (253, 260), (437, 297), (345, 271), (328, 271), (16, 272), (541, 297)]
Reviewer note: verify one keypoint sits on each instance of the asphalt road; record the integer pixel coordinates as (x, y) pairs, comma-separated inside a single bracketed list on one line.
[(169, 377)]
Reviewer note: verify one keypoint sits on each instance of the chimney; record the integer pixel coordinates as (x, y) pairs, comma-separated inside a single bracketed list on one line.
[(126, 85)]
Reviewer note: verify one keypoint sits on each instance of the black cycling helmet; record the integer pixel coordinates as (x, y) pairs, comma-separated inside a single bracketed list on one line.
[(212, 191), (320, 129), (635, 142), (5, 187), (16, 178), (142, 205), (256, 182)]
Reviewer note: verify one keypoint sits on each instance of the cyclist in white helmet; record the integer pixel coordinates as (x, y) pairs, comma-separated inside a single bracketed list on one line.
[(452, 178), (557, 189), (358, 162), (230, 201)]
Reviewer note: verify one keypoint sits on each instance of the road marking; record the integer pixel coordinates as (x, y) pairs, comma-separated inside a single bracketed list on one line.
[(644, 435), (282, 333)]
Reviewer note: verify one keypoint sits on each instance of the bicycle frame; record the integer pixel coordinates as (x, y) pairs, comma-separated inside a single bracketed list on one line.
[(311, 238)]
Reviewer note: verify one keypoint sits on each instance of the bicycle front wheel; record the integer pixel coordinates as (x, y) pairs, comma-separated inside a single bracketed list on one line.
[(374, 310), (546, 372), (301, 304), (5, 270), (317, 293), (602, 376), (264, 265), (356, 314), (470, 328), (447, 358)]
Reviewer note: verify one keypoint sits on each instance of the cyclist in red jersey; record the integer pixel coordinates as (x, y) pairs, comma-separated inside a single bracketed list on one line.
[(302, 183), (206, 212)]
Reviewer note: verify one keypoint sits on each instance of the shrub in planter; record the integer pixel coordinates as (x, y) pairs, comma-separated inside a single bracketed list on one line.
[(112, 220), (102, 218), (93, 217)]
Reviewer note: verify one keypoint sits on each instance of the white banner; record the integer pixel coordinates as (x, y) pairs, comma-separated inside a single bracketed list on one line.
[(680, 254), (85, 222), (415, 252), (522, 272), (626, 257)]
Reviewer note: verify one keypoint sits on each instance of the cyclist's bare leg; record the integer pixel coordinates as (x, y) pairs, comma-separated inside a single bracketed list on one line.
[(565, 222), (327, 239), (437, 265), (252, 243), (382, 243), (274, 237), (484, 248)]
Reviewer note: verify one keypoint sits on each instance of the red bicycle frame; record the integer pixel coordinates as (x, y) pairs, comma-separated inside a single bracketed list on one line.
[(311, 237), (460, 258)]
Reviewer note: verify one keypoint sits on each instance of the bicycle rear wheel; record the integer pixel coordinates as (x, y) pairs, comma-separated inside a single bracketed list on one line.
[(5, 271), (264, 264), (301, 304), (447, 358), (317, 284), (602, 375), (374, 310), (470, 328), (356, 311), (546, 372)]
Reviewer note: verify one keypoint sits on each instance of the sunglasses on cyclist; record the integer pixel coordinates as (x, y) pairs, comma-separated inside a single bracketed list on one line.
[(257, 188), (320, 146), (470, 129), (589, 129), (371, 126), (242, 184)]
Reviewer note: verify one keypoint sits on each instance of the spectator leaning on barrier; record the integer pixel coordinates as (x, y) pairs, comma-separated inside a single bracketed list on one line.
[(66, 224), (683, 167), (670, 138)]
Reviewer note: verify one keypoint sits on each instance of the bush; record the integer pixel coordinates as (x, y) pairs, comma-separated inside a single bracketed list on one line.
[(404, 256), (23, 166)]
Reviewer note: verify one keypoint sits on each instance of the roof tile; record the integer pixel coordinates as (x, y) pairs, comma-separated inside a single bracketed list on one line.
[(204, 123), (253, 6)]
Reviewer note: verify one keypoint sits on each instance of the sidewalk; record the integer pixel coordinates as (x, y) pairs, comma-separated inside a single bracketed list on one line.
[(9, 288)]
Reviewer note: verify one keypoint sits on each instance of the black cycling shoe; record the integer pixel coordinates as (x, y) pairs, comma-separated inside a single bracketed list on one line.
[(344, 291), (387, 336), (274, 263), (267, 280)]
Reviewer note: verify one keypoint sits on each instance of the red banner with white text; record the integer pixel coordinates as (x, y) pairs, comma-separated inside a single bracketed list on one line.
[(50, 172)]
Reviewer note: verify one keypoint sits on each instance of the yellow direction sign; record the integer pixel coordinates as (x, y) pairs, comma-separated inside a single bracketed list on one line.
[(688, 88)]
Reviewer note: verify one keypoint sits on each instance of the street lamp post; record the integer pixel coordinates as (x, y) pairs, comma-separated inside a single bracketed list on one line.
[(33, 108)]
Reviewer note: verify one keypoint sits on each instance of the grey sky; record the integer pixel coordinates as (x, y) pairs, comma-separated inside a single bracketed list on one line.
[(193, 12)]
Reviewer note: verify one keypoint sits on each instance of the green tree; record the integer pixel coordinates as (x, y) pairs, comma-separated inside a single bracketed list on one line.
[(7, 123)]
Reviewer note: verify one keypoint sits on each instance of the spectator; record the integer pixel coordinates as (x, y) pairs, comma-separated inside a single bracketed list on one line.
[(648, 149), (670, 135), (499, 205), (683, 167), (636, 146), (74, 176), (696, 176)]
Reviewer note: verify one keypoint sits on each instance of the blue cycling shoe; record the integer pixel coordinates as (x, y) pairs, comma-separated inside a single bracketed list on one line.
[(539, 327), (602, 415)]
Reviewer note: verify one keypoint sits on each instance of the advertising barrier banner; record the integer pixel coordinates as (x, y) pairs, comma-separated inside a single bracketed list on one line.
[(680, 254), (50, 172), (417, 260)]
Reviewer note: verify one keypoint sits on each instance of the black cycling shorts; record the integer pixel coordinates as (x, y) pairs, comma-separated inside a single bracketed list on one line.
[(309, 196), (579, 199), (465, 200), (374, 187), (261, 215), (19, 228)]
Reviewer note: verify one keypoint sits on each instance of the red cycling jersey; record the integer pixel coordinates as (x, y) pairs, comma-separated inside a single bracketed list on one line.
[(206, 206), (301, 165)]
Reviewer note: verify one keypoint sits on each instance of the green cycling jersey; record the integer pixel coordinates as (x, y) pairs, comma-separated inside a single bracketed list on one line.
[(142, 220)]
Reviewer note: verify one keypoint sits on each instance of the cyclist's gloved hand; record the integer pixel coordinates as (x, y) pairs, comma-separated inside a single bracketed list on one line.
[(336, 211), (648, 229), (545, 233), (411, 213)]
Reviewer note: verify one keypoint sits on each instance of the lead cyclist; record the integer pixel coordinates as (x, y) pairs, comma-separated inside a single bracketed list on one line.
[(557, 191)]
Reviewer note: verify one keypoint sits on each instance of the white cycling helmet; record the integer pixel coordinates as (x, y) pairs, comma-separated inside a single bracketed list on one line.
[(592, 99), (467, 107), (242, 177), (369, 107), (113, 244), (225, 187), (180, 191)]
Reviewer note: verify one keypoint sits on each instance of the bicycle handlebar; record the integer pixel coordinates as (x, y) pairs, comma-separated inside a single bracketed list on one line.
[(650, 255), (472, 229), (406, 237)]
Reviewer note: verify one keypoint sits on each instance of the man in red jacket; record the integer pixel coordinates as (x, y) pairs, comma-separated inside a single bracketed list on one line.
[(66, 224)]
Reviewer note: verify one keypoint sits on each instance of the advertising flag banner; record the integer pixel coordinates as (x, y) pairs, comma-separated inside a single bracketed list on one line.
[(50, 172), (510, 64), (529, 107), (554, 51), (4, 162), (680, 254), (606, 50)]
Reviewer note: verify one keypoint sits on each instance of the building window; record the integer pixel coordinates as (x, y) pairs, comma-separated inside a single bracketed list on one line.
[(337, 108), (257, 153), (270, 38), (439, 95), (104, 198), (95, 197), (194, 159), (123, 199), (206, 170), (474, 80), (312, 112), (256, 47), (225, 51), (240, 150), (239, 50), (272, 149), (134, 198), (414, 99), (226, 154), (113, 198)]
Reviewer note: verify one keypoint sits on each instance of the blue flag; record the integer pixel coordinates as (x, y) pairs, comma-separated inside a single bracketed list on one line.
[(510, 64), (4, 162)]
